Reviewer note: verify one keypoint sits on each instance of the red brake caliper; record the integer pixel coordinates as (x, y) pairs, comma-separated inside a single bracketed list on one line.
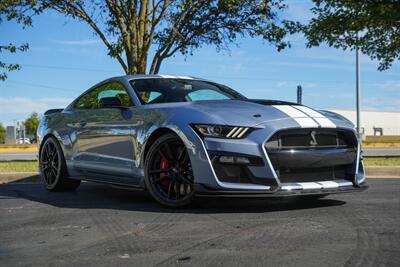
[(164, 182)]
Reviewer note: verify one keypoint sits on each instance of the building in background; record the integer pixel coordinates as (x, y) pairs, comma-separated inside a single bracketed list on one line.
[(374, 122)]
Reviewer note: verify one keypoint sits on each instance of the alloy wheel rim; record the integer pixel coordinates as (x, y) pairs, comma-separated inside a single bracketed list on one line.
[(173, 181), (49, 163)]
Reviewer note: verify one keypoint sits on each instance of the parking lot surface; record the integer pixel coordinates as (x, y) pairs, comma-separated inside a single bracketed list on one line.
[(101, 226)]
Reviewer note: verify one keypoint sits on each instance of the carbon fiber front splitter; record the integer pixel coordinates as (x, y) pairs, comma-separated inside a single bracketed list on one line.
[(203, 191)]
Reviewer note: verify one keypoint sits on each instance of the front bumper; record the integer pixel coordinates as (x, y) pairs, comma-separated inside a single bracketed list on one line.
[(207, 182)]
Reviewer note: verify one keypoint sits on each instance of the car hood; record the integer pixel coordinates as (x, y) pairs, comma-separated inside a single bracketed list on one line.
[(259, 112)]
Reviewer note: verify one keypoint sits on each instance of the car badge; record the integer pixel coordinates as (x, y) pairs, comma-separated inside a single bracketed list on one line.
[(313, 141)]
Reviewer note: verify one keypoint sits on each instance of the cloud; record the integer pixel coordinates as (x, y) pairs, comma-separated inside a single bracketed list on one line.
[(388, 85), (23, 105), (380, 104), (77, 42)]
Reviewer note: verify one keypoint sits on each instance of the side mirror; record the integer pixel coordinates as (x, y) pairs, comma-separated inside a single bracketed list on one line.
[(110, 102)]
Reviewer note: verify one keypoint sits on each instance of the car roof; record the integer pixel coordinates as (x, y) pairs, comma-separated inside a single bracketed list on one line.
[(143, 76)]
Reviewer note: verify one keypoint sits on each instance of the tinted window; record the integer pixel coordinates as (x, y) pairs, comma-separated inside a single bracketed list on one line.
[(152, 91), (91, 99)]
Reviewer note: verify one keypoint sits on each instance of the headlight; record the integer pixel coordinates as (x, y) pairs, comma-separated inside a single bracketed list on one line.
[(222, 131)]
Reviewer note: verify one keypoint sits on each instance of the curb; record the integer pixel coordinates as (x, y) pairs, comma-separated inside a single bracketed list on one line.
[(19, 177), (383, 171)]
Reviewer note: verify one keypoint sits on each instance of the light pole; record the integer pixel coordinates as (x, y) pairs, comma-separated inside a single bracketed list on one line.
[(358, 91)]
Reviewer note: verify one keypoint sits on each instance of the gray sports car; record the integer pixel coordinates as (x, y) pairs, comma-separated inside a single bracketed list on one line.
[(178, 137)]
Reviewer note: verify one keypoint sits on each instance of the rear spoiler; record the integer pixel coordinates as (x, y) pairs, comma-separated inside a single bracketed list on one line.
[(52, 111)]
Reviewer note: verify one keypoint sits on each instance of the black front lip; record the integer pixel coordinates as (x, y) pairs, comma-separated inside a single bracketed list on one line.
[(201, 190)]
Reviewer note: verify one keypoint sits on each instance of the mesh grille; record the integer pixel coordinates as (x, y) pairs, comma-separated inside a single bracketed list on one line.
[(308, 163)]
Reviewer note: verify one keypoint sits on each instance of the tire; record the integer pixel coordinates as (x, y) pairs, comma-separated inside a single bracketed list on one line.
[(168, 172), (53, 168)]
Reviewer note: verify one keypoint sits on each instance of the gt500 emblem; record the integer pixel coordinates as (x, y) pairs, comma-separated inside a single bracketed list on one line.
[(313, 141)]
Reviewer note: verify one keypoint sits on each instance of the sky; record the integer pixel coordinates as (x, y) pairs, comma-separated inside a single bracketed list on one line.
[(65, 58)]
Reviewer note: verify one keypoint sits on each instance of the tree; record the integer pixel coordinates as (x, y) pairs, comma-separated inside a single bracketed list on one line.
[(373, 26), (21, 12), (32, 123), (130, 28), (2, 134)]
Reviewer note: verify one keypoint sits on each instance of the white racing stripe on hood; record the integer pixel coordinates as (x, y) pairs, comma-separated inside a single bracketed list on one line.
[(321, 119), (301, 118)]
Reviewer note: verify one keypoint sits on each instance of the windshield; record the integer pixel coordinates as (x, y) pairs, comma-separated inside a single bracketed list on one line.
[(151, 91)]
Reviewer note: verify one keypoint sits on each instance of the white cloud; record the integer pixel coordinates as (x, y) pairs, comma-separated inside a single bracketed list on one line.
[(381, 104), (388, 85), (24, 105), (77, 42)]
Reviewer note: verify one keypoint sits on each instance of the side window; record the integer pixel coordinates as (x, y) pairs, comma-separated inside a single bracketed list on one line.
[(115, 90), (91, 99), (88, 100)]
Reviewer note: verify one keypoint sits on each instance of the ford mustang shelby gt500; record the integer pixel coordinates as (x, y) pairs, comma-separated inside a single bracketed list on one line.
[(178, 137)]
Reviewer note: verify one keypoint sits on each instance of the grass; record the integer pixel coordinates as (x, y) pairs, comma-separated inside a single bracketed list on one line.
[(382, 141), (382, 161), (19, 166)]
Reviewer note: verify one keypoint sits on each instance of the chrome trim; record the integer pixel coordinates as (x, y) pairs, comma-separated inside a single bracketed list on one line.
[(278, 181)]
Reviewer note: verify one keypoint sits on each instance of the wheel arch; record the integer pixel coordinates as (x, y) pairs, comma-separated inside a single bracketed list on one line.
[(152, 138), (47, 136)]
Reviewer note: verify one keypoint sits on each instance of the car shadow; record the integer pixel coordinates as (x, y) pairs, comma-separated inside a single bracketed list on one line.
[(98, 196)]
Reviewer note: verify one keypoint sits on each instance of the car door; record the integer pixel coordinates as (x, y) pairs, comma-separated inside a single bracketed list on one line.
[(103, 148)]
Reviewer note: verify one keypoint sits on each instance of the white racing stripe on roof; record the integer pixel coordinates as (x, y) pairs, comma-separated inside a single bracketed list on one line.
[(321, 119), (167, 76), (175, 77), (301, 118)]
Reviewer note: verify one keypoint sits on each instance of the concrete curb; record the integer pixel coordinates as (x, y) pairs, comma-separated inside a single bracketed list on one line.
[(383, 171), (14, 177), (34, 177)]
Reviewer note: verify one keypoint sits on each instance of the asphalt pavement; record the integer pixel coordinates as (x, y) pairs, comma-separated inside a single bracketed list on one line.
[(101, 226)]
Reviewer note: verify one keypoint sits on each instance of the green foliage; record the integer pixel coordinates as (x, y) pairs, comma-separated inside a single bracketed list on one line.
[(20, 11), (373, 26), (32, 123), (130, 28), (2, 134)]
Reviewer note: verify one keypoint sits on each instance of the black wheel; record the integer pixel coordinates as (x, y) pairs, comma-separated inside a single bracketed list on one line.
[(168, 172), (53, 168)]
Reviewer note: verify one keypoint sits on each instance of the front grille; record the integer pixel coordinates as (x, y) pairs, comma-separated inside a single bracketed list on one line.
[(288, 175), (310, 155), (311, 139)]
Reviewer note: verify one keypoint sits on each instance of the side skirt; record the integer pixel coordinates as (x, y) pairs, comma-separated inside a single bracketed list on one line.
[(113, 184)]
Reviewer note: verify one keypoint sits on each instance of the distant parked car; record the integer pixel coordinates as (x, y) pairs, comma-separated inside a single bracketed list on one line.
[(25, 141), (178, 137)]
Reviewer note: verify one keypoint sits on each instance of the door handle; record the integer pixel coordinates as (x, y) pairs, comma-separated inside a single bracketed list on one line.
[(82, 123)]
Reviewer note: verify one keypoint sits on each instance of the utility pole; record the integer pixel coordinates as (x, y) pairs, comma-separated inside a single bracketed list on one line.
[(358, 91)]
